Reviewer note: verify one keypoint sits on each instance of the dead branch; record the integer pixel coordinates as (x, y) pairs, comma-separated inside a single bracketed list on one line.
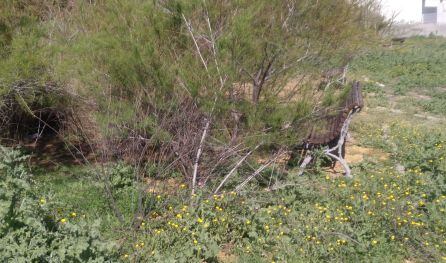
[(197, 158), (190, 29), (235, 168), (258, 171)]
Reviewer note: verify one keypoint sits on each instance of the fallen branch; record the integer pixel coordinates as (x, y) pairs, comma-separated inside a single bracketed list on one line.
[(235, 168), (257, 172)]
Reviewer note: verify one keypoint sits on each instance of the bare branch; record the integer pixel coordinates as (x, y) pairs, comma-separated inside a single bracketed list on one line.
[(235, 168), (189, 28), (214, 51), (197, 158), (257, 172)]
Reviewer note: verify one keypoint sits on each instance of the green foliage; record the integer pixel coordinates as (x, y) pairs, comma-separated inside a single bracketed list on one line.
[(419, 150), (121, 176), (379, 214), (418, 63), (139, 62), (29, 232), (436, 104)]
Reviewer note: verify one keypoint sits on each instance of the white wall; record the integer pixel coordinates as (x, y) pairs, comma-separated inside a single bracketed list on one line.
[(441, 13), (408, 11)]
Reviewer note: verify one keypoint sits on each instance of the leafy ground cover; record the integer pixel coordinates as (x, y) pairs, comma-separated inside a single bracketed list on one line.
[(393, 210)]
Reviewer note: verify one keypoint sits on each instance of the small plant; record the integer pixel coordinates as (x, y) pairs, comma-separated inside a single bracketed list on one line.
[(29, 232), (121, 176)]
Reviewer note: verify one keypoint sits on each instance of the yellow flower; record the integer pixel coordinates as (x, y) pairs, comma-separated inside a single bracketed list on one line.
[(374, 242), (195, 241), (126, 255), (63, 220), (199, 220), (248, 222), (179, 216), (42, 201), (73, 214), (182, 186), (158, 197)]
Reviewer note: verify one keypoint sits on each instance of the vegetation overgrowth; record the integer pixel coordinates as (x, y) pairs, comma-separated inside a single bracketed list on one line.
[(162, 99), (133, 72), (31, 231)]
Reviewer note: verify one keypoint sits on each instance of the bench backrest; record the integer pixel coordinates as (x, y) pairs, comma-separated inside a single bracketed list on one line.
[(333, 124)]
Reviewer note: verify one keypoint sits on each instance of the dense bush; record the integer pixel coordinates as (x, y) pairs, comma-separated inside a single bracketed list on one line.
[(142, 62), (29, 232)]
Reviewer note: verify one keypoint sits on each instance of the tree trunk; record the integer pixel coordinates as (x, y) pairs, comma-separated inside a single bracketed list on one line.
[(256, 93)]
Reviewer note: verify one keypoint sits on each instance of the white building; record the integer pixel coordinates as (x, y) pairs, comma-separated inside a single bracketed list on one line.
[(415, 11)]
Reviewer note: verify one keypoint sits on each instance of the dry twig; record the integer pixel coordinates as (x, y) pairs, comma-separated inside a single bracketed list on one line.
[(235, 168)]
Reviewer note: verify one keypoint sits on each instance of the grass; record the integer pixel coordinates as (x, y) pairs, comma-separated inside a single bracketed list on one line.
[(392, 211), (418, 64)]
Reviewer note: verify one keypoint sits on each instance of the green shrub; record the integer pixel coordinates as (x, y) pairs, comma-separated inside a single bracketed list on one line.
[(30, 232), (122, 176), (142, 56)]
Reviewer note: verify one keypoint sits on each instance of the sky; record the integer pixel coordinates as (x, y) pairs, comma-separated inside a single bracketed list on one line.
[(405, 10)]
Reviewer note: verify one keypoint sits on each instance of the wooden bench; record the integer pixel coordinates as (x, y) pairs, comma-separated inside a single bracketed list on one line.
[(330, 133)]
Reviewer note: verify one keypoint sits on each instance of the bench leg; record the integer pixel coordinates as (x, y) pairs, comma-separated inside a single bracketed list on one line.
[(347, 171), (304, 164), (340, 147)]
